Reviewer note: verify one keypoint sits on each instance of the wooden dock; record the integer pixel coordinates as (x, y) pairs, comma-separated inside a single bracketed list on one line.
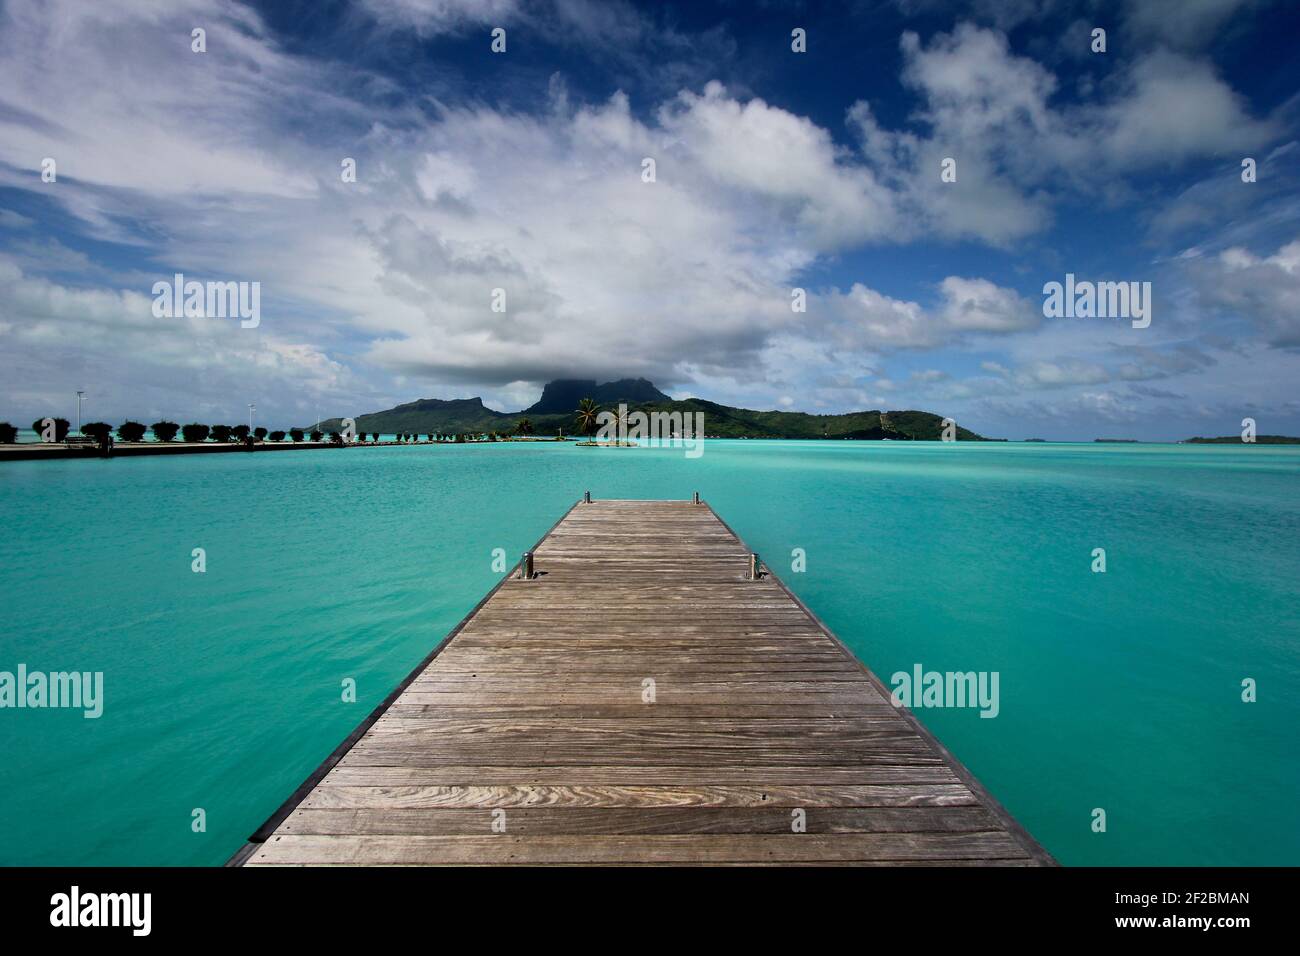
[(640, 700)]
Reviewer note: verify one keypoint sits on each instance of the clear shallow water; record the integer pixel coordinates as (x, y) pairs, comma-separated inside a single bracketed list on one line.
[(1118, 690)]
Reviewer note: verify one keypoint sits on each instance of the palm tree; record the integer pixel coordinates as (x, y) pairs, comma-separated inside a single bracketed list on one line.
[(523, 427), (586, 416)]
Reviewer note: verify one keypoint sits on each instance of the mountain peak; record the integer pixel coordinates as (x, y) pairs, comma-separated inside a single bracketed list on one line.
[(435, 404), (564, 394)]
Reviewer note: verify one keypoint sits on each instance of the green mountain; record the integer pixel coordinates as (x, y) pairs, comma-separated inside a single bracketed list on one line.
[(555, 412), (431, 415)]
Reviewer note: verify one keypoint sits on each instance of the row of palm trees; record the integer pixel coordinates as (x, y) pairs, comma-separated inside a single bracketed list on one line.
[(586, 416), (195, 433), (162, 431)]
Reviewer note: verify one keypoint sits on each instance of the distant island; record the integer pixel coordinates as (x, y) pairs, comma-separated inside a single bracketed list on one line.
[(1236, 440), (554, 412)]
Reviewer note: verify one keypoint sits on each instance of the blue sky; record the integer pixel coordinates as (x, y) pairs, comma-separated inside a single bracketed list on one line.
[(775, 170)]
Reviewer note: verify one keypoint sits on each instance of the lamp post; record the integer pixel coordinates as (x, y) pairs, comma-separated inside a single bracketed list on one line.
[(251, 408), (81, 397)]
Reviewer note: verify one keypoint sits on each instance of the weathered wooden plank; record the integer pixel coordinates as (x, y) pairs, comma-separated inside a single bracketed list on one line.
[(598, 659), (522, 677), (760, 754), (593, 653), (649, 736), (350, 771), (359, 796), (671, 694), (496, 709), (503, 848), (695, 729), (705, 684), (532, 820)]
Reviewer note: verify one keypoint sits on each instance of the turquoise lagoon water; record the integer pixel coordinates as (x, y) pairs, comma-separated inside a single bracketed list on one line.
[(1119, 690)]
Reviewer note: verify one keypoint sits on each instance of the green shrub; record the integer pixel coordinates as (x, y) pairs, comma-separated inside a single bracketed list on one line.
[(296, 434), (276, 436), (240, 432), (61, 426), (8, 434), (131, 431), (221, 433), (195, 433), (259, 433), (316, 434), (97, 430), (165, 431)]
